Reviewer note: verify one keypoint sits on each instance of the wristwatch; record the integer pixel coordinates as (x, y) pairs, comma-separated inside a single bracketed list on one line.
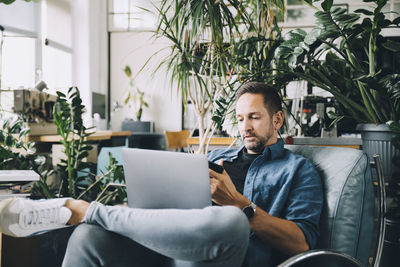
[(250, 210)]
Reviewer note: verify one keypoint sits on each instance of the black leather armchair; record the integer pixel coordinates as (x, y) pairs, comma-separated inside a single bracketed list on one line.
[(347, 220)]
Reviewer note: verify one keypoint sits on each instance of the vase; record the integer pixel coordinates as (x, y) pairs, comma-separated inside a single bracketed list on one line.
[(138, 126), (377, 139)]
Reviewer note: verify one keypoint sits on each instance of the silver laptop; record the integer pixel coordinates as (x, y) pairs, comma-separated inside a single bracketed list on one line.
[(163, 179)]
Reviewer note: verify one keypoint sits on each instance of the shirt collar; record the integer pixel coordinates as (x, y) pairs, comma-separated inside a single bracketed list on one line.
[(274, 151)]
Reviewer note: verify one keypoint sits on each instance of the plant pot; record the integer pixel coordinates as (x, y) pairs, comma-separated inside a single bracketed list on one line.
[(377, 139), (43, 250), (138, 126)]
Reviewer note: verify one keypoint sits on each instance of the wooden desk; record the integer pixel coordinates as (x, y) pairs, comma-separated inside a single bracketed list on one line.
[(215, 142), (44, 143), (97, 136), (218, 141)]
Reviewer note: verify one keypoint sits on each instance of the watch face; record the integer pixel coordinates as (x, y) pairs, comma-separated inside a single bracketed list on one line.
[(249, 212)]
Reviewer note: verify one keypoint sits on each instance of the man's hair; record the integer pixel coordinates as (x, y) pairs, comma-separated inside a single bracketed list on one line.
[(272, 100)]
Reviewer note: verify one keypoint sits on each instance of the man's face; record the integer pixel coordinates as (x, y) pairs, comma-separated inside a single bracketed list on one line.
[(256, 125)]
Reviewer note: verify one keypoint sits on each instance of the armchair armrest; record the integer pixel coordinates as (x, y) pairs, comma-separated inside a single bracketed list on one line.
[(320, 257)]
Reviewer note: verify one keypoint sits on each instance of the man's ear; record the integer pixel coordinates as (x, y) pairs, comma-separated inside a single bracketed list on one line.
[(278, 119)]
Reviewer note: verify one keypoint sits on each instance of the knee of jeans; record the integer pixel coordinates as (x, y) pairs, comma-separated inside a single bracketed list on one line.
[(229, 222), (82, 234)]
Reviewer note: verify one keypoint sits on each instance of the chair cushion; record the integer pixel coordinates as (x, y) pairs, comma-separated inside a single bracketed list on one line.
[(348, 214)]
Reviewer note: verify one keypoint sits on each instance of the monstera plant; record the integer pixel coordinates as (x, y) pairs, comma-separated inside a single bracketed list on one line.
[(340, 56)]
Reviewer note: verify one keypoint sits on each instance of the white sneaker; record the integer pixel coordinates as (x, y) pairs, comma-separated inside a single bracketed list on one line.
[(21, 217)]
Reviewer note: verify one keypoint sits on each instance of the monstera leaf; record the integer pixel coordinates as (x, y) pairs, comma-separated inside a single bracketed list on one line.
[(8, 2)]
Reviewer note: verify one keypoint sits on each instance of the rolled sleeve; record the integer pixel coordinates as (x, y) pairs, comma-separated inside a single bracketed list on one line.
[(305, 202)]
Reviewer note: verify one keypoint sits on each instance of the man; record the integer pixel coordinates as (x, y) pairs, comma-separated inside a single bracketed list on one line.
[(264, 189)]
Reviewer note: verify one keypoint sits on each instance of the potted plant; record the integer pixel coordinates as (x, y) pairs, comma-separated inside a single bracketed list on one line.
[(339, 55), (202, 36), (74, 173), (135, 98), (76, 179)]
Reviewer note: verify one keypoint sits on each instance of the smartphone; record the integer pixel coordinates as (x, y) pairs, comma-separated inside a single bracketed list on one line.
[(215, 167)]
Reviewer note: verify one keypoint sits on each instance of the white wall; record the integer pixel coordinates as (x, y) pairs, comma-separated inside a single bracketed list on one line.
[(20, 15), (90, 47), (134, 49)]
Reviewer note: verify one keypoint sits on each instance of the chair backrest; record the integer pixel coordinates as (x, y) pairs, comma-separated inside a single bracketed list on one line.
[(348, 215), (177, 140)]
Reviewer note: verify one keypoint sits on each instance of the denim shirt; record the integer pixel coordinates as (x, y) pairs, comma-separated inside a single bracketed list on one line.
[(285, 185)]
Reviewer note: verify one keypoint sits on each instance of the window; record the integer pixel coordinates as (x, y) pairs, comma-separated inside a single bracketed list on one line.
[(37, 44), (57, 69), (57, 49), (18, 62), (129, 15)]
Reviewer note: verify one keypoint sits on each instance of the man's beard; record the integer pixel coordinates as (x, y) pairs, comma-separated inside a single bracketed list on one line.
[(258, 145)]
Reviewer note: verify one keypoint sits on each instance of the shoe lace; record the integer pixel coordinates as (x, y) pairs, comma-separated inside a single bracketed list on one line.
[(39, 217)]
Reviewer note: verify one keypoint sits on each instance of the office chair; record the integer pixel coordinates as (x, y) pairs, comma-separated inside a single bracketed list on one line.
[(177, 140), (347, 219)]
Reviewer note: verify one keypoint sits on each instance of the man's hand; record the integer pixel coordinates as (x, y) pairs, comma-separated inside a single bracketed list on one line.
[(78, 209), (223, 191)]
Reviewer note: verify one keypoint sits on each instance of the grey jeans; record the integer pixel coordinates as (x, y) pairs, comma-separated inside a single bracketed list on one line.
[(120, 236)]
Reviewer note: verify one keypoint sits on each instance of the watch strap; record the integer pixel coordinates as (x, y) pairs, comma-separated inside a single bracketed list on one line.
[(249, 210)]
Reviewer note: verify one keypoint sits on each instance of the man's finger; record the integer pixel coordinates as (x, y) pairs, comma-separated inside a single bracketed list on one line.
[(216, 175)]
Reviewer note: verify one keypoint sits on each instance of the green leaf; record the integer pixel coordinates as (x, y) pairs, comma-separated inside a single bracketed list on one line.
[(364, 11), (326, 5), (60, 94), (31, 151), (312, 36), (9, 140), (128, 71), (24, 132), (298, 51), (40, 160), (394, 126), (297, 34), (6, 124), (15, 126), (19, 144), (7, 2)]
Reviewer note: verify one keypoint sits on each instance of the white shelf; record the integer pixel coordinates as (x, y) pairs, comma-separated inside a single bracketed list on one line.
[(18, 176)]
